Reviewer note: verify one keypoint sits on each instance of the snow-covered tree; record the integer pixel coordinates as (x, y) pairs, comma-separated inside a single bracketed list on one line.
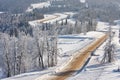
[(109, 49)]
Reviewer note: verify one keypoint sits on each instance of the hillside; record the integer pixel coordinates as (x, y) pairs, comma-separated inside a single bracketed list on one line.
[(59, 39), (15, 6)]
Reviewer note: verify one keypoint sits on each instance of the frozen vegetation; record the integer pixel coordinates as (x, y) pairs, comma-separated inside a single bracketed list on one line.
[(39, 38), (68, 45)]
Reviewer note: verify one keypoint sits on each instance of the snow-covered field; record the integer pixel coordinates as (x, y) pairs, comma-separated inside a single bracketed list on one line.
[(101, 26), (68, 45), (38, 5)]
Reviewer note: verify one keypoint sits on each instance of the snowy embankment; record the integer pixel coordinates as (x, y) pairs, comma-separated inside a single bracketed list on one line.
[(94, 70)]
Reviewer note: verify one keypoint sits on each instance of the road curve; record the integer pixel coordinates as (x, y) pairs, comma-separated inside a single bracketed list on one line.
[(47, 19), (77, 62)]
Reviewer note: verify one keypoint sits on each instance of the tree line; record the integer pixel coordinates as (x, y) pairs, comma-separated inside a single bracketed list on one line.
[(12, 23), (25, 53)]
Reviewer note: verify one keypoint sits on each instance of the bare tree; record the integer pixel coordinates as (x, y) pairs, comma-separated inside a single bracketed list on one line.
[(109, 49), (6, 53)]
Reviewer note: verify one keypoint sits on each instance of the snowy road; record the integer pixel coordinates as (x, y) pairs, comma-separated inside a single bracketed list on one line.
[(49, 18), (97, 71), (76, 63)]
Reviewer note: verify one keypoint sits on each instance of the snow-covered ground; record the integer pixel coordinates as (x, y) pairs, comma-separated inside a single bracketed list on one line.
[(94, 70), (66, 42), (38, 5), (117, 22), (101, 26), (68, 45)]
